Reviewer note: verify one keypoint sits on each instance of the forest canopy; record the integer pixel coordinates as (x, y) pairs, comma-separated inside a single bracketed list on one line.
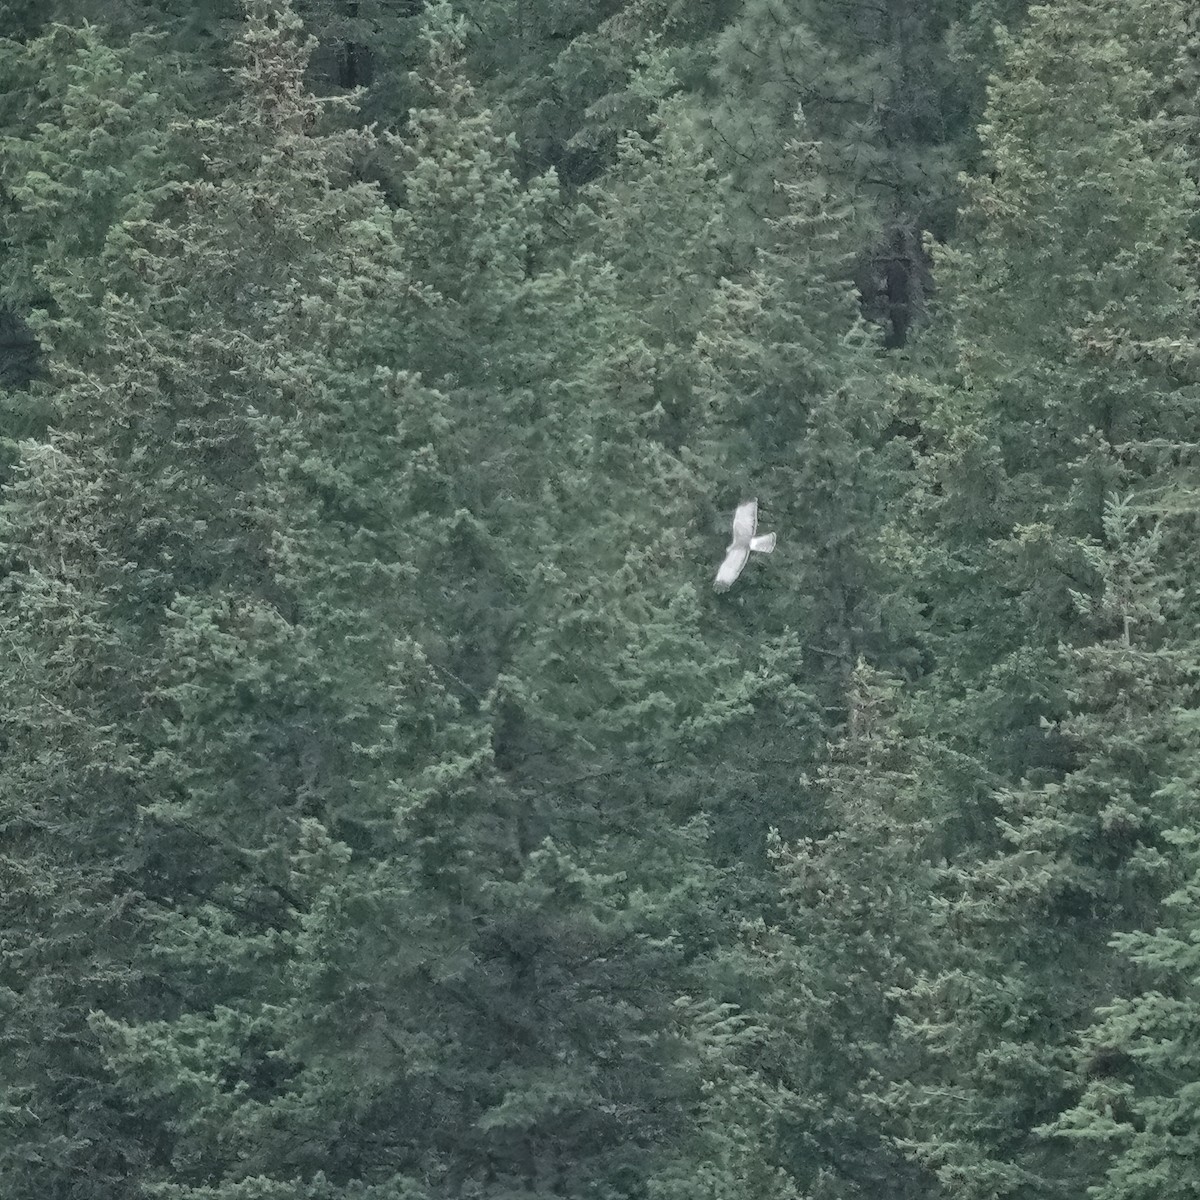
[(390, 806)]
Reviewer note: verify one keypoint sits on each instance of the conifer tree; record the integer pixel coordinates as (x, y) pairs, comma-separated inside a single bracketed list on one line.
[(88, 145), (851, 927), (94, 153), (876, 87), (408, 690), (565, 78), (1053, 711), (1135, 1065), (800, 401)]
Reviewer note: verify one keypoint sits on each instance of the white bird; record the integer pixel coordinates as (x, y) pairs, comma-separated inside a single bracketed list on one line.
[(745, 523)]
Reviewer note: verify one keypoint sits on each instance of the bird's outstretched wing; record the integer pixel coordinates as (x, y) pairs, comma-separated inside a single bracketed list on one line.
[(745, 522), (731, 568)]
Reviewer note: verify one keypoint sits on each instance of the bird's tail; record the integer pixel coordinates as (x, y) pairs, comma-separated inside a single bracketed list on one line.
[(763, 544)]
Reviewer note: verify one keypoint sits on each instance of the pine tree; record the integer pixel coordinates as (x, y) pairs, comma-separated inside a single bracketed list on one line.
[(88, 145), (1082, 855), (800, 400), (1135, 1067), (1041, 579), (851, 926), (876, 87), (94, 153), (412, 711), (565, 78)]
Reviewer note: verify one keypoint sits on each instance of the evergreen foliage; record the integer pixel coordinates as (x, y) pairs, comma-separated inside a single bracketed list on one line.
[(1060, 662), (390, 807)]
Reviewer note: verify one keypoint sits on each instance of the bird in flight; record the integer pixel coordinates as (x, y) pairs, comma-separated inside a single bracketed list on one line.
[(745, 523)]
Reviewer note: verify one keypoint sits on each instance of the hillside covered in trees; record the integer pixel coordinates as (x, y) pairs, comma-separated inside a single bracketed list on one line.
[(390, 809)]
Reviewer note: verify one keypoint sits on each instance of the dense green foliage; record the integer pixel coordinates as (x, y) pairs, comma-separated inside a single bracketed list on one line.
[(389, 807)]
